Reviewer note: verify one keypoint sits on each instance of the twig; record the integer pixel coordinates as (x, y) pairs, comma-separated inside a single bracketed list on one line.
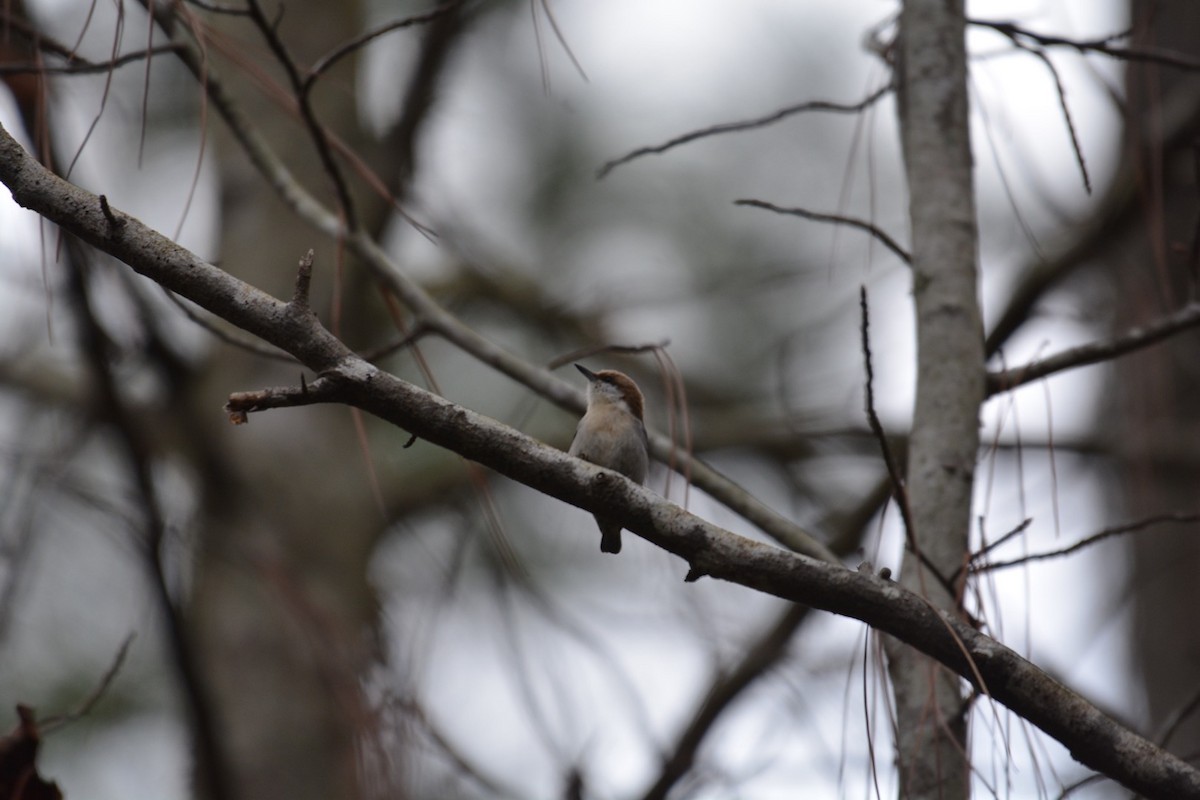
[(1017, 531), (82, 66), (418, 331), (229, 337), (1061, 91), (837, 219), (321, 390), (1169, 58), (746, 125), (898, 490), (303, 281), (320, 137), (1107, 533), (1133, 339), (325, 62), (114, 223), (89, 702)]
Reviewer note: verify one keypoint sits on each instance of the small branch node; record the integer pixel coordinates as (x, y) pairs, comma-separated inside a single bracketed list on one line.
[(303, 281), (115, 224)]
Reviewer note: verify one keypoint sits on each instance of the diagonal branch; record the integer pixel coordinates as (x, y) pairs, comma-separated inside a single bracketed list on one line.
[(837, 219), (1092, 737), (748, 125), (1095, 538), (1151, 55), (1132, 340)]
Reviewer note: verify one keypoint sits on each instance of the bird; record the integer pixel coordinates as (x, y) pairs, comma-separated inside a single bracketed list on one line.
[(611, 434)]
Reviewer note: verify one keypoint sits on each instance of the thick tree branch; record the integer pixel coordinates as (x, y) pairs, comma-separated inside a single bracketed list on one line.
[(1094, 738)]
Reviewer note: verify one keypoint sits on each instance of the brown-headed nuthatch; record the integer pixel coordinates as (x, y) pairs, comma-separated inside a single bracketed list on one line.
[(612, 434)]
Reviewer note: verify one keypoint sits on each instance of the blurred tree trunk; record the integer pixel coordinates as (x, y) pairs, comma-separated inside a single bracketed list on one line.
[(281, 605), (932, 98), (1156, 396)]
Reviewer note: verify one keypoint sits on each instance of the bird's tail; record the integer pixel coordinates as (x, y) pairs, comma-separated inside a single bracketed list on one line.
[(610, 537)]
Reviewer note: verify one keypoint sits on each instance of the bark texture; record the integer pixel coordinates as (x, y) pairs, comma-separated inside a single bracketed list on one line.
[(932, 69)]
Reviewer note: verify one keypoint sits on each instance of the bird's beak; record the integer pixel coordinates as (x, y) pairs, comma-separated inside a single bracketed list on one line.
[(587, 373)]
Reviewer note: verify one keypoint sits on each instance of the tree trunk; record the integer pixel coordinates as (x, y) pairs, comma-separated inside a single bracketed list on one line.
[(1156, 395), (931, 71)]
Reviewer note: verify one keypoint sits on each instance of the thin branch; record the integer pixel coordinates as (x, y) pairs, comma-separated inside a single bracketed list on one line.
[(893, 469), (326, 62), (303, 281), (1107, 533), (81, 66), (421, 92), (229, 337), (899, 490), (1017, 531), (1133, 339), (1061, 91), (89, 702), (414, 334), (316, 131), (321, 390), (837, 219), (1153, 55), (747, 125)]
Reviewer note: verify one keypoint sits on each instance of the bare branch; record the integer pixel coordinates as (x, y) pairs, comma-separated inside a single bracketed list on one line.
[(893, 468), (1061, 91), (89, 702), (1134, 339), (326, 62), (837, 219), (1092, 737), (81, 66), (321, 390), (316, 131), (747, 125), (1107, 533), (1168, 58)]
